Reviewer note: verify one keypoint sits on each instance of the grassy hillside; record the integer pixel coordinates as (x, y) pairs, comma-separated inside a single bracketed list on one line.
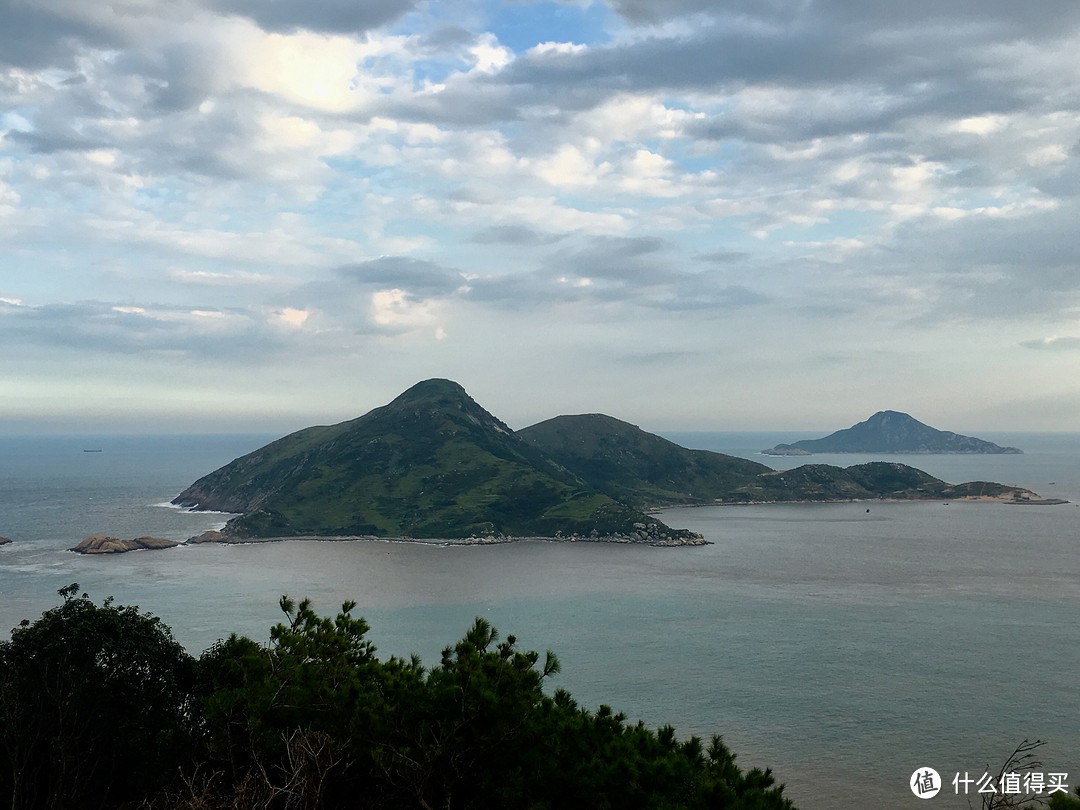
[(636, 467), (432, 463), (876, 479)]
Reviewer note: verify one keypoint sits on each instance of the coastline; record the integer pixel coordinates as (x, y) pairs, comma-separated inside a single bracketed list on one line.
[(223, 539), (964, 499)]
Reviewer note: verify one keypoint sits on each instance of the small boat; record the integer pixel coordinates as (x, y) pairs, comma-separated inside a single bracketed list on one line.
[(94, 450)]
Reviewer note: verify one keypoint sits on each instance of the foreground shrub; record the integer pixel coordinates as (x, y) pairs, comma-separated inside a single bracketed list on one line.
[(95, 707), (99, 707)]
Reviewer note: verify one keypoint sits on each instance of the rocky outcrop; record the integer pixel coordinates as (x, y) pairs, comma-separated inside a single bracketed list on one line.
[(211, 536), (786, 450), (106, 544), (4, 541)]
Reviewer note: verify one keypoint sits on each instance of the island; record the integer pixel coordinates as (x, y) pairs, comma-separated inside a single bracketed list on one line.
[(890, 432), (434, 465), (107, 544)]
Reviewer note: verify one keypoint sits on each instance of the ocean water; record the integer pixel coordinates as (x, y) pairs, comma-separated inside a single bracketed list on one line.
[(842, 647)]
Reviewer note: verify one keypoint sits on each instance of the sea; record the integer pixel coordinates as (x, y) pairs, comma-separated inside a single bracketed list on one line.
[(849, 647)]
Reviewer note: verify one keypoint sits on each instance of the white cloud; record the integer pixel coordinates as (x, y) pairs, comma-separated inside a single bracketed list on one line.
[(397, 309), (314, 70), (219, 279), (648, 173), (488, 55), (556, 49), (292, 133), (291, 317), (571, 167), (1047, 155), (1054, 343), (980, 125)]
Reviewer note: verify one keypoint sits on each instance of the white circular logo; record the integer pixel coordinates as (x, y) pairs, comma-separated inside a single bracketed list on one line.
[(925, 783)]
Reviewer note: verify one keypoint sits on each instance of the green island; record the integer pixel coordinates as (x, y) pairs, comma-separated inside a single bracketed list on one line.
[(434, 464), (101, 708)]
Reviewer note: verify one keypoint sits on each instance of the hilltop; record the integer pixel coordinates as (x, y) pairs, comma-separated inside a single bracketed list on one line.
[(890, 432), (434, 464), (637, 467)]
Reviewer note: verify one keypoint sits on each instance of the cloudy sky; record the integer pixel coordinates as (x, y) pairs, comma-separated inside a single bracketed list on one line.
[(690, 214)]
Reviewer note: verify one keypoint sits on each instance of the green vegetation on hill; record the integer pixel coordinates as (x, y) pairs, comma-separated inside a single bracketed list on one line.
[(432, 463), (824, 482), (636, 467), (100, 708), (876, 479)]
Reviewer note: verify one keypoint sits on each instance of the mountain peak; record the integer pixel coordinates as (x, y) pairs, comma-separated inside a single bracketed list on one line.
[(434, 388), (439, 399), (882, 416)]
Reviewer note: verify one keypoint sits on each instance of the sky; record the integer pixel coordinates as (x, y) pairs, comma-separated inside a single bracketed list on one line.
[(258, 215)]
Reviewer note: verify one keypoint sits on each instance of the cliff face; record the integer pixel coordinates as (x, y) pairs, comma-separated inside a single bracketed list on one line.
[(891, 432)]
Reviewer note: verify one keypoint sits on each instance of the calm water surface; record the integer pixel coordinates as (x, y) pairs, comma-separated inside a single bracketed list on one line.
[(841, 647)]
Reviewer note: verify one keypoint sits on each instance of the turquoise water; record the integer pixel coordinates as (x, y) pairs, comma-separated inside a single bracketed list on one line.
[(841, 647)]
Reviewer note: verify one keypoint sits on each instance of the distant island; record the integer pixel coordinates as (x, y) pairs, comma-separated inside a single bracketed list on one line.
[(890, 432), (433, 464)]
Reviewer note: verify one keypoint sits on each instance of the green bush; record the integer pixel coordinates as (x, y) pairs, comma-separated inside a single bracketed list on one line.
[(95, 707), (99, 707)]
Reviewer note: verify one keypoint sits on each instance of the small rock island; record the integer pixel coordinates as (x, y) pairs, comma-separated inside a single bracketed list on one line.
[(890, 432), (107, 544)]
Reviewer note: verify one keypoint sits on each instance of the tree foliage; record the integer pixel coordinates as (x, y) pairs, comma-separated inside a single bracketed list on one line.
[(315, 719), (95, 705)]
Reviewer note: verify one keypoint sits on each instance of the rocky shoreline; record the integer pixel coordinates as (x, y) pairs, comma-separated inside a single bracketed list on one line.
[(1003, 499), (643, 534), (487, 540)]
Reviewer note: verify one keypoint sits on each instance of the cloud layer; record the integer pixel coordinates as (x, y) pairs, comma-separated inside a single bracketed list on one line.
[(674, 211)]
